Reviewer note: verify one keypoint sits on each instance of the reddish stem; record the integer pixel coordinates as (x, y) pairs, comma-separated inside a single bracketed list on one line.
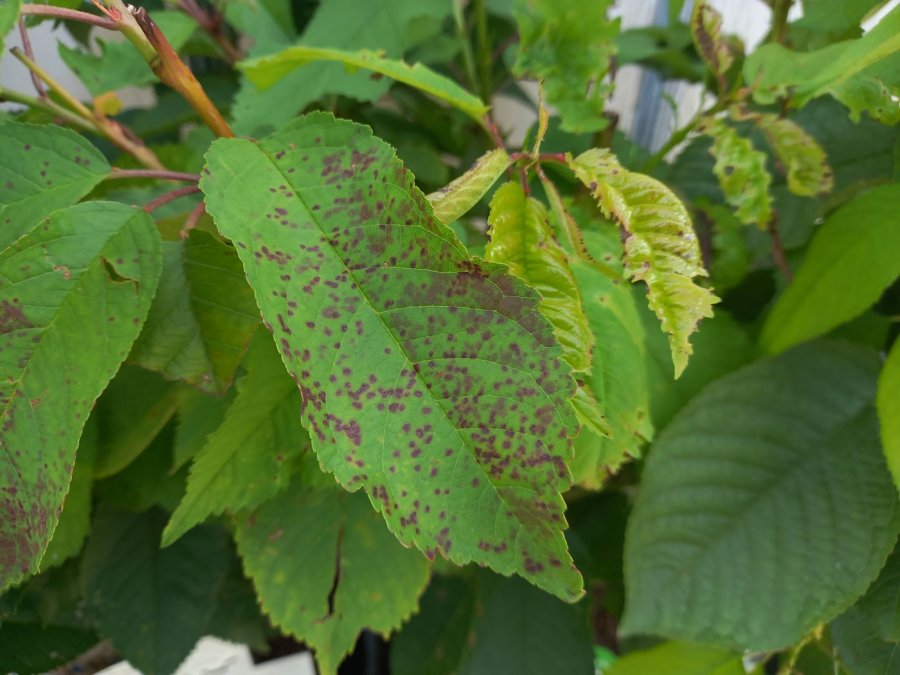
[(152, 173), (171, 196), (191, 222), (29, 52), (68, 14), (543, 157)]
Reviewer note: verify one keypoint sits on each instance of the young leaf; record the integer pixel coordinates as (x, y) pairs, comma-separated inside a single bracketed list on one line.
[(413, 360), (706, 29), (777, 517), (859, 242), (742, 173), (492, 625), (522, 239), (889, 410), (169, 592), (568, 44), (42, 168), (661, 248), (247, 459), (73, 294), (9, 14), (266, 71), (202, 317), (679, 658), (457, 198), (325, 568)]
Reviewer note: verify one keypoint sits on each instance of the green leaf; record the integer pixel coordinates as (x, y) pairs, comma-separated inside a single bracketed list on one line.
[(706, 29), (800, 156), (132, 411), (404, 349), (491, 625), (75, 519), (888, 402), (266, 71), (776, 72), (741, 171), (867, 636), (152, 604), (679, 658), (9, 14), (197, 417), (247, 459), (202, 318), (827, 21), (32, 648), (42, 168), (770, 483), (731, 259), (120, 64), (522, 239), (73, 294), (859, 243), (456, 199), (661, 248), (325, 568), (268, 24), (337, 24), (568, 44)]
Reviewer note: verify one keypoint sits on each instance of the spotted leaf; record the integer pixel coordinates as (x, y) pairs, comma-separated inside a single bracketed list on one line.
[(706, 30), (428, 379), (661, 248), (457, 198), (334, 572), (73, 294)]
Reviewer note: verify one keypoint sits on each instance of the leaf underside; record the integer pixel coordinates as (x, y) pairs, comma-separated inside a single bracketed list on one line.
[(428, 379)]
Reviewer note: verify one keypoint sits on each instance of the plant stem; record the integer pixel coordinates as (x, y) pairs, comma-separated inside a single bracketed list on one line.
[(125, 23), (29, 9), (153, 174), (77, 106), (778, 254), (171, 196), (49, 106), (468, 58), (191, 221), (211, 22), (26, 45), (780, 9), (485, 58)]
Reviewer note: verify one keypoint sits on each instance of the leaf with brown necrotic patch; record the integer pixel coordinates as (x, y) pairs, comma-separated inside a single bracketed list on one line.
[(428, 379), (73, 295)]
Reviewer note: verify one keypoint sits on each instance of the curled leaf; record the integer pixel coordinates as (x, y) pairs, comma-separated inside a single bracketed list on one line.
[(456, 199), (706, 30), (661, 248)]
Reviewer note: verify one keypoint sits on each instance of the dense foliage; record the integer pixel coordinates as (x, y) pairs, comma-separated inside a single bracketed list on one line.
[(287, 352)]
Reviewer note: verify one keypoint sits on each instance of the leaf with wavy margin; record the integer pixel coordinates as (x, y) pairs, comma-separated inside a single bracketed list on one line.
[(458, 197), (706, 31), (661, 247), (429, 379)]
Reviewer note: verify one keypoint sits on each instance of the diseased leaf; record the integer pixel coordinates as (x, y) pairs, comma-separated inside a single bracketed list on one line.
[(73, 294), (492, 625), (456, 199), (338, 24), (770, 483), (266, 71), (325, 568), (706, 29), (416, 364), (661, 248), (249, 457), (889, 410), (568, 44), (202, 317), (521, 238), (840, 69), (9, 14), (169, 592), (742, 173), (618, 378), (42, 168), (859, 242), (679, 658), (132, 411)]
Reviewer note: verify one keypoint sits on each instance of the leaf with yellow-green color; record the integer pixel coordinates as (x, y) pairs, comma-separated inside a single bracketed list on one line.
[(458, 197), (265, 71), (325, 568), (888, 403), (706, 30), (661, 248), (741, 171)]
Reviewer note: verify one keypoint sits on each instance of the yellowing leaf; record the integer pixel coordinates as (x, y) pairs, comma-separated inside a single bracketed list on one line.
[(888, 402), (661, 247), (457, 198)]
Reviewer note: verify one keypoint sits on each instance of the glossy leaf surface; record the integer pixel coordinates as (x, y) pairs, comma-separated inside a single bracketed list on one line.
[(661, 248), (770, 483), (73, 293), (428, 379)]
